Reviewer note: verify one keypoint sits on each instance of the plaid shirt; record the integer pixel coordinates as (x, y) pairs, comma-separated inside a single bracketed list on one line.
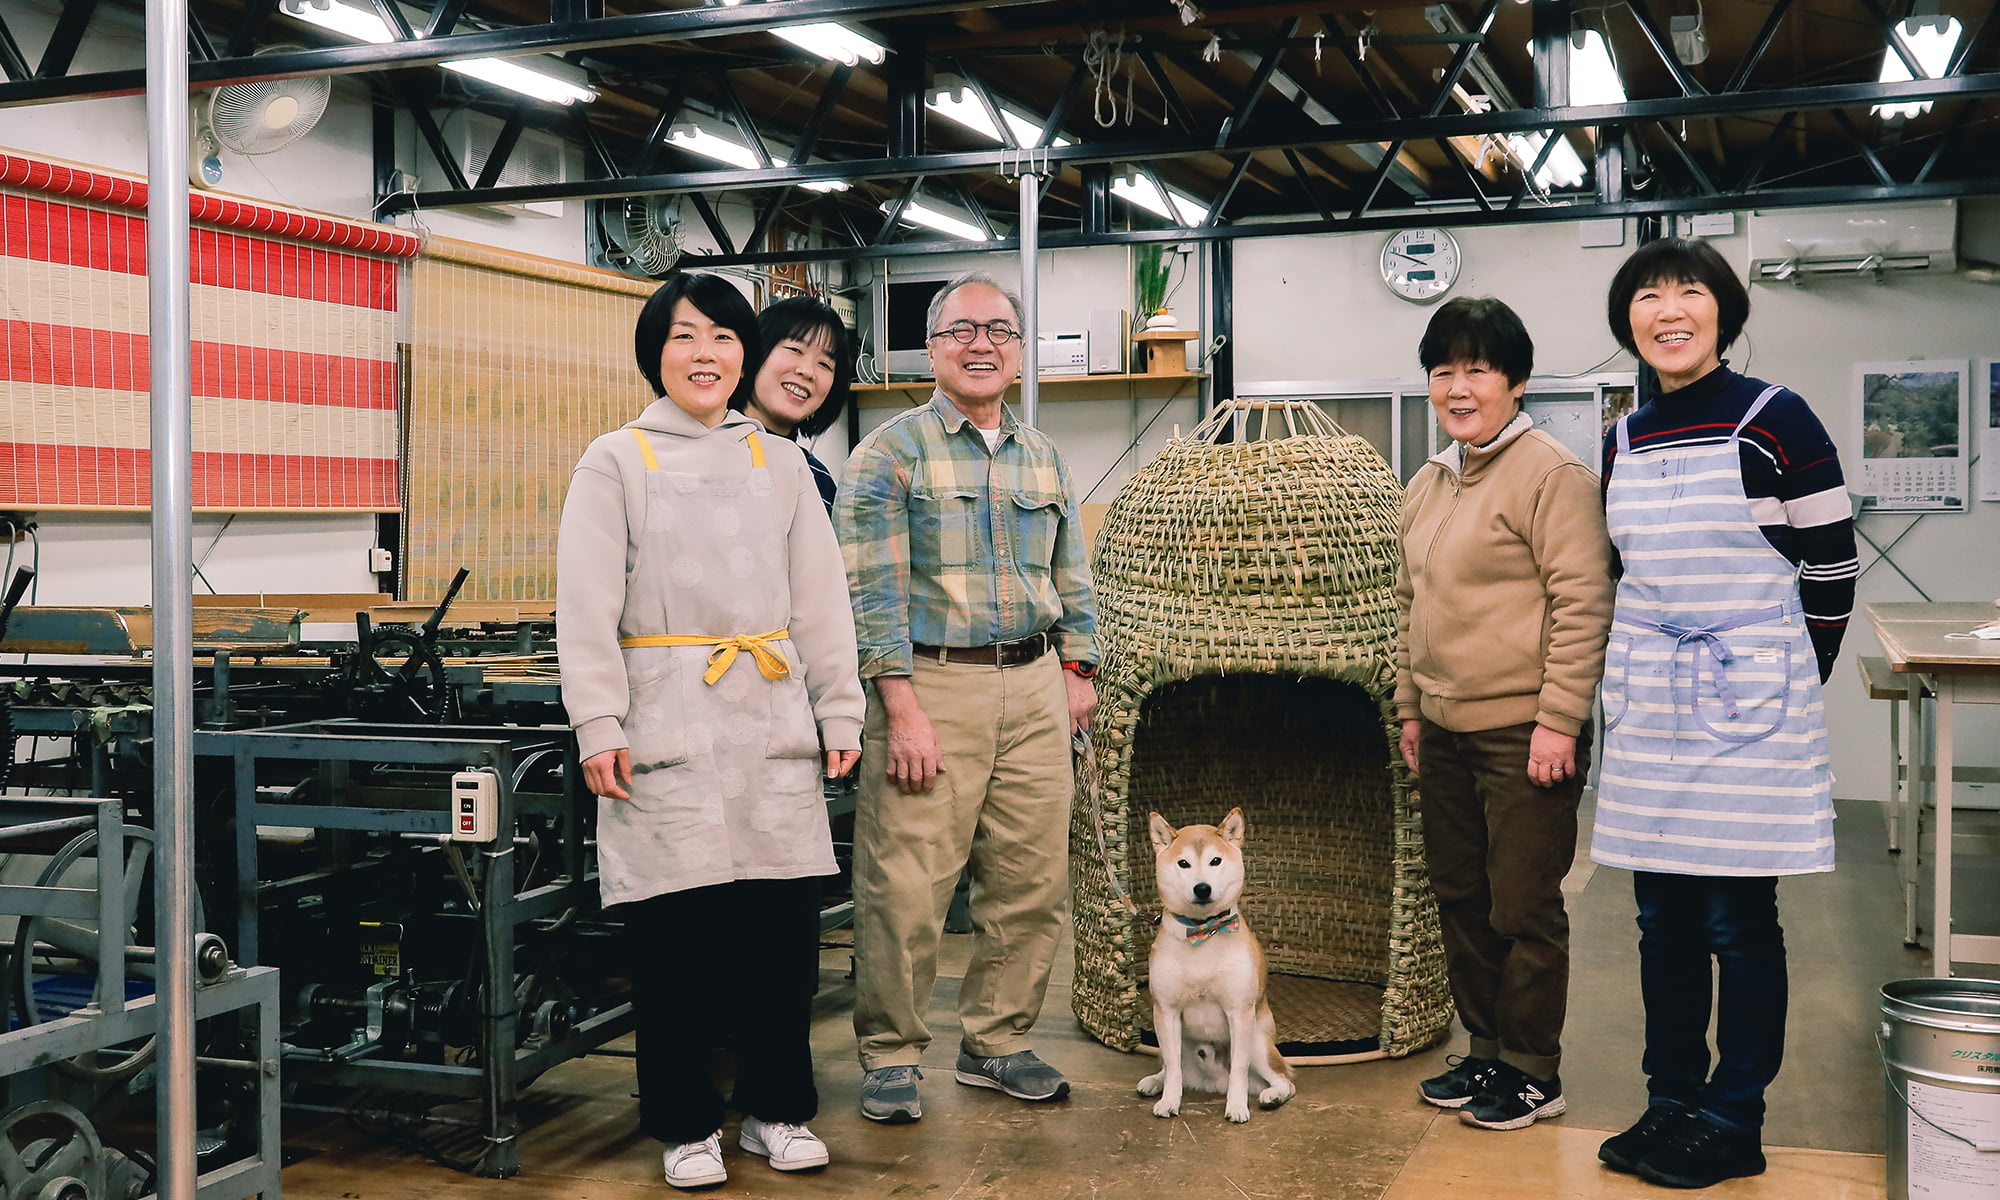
[(949, 544)]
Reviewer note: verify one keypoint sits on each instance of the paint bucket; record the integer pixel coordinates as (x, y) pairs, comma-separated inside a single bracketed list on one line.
[(1940, 1044)]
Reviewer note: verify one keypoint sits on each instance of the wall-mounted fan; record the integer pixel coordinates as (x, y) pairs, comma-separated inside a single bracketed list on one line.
[(645, 234), (254, 118)]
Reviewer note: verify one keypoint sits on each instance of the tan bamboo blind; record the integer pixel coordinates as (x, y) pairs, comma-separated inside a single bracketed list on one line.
[(516, 363)]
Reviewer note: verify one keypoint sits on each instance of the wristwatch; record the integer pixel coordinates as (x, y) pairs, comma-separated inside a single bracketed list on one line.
[(1084, 670)]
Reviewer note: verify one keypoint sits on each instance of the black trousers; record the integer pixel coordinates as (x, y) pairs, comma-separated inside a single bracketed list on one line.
[(730, 965)]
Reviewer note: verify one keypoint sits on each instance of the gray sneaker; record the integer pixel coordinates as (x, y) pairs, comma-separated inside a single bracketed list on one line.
[(889, 1095), (1020, 1075)]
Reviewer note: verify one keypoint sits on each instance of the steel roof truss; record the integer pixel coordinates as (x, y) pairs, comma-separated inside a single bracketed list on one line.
[(979, 92), (1740, 78), (427, 128), (716, 229), (392, 16), (1306, 184), (503, 149), (1755, 171), (1689, 85), (1400, 131), (739, 116), (1259, 80), (1948, 141), (896, 207), (1860, 143), (444, 18), (1170, 96), (12, 64), (1700, 177), (66, 37), (648, 154)]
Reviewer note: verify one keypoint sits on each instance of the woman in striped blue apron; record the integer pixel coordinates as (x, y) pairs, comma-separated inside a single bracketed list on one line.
[(1730, 519)]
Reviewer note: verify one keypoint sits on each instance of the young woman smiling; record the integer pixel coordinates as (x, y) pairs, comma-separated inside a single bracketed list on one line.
[(802, 385)]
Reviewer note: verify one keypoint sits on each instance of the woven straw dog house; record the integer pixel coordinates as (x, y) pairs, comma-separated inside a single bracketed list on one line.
[(1247, 622)]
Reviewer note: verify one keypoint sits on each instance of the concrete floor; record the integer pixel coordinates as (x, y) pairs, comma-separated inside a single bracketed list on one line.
[(1353, 1131)]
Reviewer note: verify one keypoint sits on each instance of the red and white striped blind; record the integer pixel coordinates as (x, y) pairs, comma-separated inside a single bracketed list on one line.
[(295, 324)]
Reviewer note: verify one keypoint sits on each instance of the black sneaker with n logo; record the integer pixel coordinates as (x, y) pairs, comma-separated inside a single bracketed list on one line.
[(1513, 1099), (1461, 1084)]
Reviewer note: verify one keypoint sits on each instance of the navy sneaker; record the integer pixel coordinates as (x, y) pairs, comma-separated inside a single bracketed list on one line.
[(1702, 1154), (1513, 1099), (1466, 1079), (1624, 1151)]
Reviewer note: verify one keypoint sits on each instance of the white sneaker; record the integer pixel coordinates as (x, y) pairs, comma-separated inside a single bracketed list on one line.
[(789, 1147), (696, 1164)]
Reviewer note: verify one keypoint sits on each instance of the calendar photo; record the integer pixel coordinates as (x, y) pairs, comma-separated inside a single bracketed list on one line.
[(1914, 427)]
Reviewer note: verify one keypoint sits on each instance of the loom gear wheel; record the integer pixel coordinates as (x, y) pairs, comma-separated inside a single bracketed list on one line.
[(397, 675), (80, 941), (49, 1151)]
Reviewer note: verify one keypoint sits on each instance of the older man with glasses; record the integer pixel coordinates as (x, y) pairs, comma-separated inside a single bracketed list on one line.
[(973, 612)]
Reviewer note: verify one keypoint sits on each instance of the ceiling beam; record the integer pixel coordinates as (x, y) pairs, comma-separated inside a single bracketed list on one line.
[(1385, 221), (1505, 121)]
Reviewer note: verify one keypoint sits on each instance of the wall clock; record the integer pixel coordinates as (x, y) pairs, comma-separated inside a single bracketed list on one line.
[(1421, 264)]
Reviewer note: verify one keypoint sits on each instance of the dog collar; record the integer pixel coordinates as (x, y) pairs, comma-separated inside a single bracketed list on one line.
[(1199, 931)]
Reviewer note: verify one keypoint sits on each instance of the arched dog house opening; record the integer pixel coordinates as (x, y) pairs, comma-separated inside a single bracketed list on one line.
[(1247, 622)]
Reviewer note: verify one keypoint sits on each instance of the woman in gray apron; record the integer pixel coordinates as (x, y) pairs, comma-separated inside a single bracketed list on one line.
[(708, 667), (1728, 513)]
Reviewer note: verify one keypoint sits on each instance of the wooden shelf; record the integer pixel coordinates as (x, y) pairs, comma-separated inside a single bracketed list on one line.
[(916, 391)]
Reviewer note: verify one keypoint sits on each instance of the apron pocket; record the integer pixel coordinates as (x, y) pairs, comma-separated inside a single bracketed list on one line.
[(1617, 691), (1758, 697), (655, 716), (794, 732)]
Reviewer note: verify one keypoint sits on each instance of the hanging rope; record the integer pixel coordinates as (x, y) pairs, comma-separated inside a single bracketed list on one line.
[(1104, 55)]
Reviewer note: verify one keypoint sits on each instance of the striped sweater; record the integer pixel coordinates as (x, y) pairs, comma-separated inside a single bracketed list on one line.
[(1791, 475)]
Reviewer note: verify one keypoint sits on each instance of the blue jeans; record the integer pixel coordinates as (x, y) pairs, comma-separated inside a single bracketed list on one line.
[(1684, 921)]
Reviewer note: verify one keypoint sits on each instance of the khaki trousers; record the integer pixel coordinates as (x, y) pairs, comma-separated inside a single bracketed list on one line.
[(1001, 804)]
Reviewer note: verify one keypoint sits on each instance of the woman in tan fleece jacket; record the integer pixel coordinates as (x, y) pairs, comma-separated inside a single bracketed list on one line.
[(1504, 603)]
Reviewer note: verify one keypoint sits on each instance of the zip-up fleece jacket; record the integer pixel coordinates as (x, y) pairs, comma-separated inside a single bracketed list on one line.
[(1504, 592)]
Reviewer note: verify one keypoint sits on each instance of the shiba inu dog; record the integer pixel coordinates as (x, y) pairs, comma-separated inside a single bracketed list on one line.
[(1207, 976)]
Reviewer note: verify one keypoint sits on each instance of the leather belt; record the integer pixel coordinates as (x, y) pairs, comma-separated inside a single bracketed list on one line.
[(999, 654)]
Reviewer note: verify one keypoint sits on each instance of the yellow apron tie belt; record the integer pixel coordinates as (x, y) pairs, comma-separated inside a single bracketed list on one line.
[(769, 661)]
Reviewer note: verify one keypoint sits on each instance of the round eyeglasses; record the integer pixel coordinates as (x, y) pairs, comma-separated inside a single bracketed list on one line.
[(997, 332)]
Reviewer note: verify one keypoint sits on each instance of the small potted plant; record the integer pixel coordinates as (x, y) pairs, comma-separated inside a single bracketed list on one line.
[(1150, 269)]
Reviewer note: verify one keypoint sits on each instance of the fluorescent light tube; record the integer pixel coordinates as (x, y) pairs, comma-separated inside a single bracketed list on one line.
[(511, 74), (696, 140), (1140, 190), (1593, 78), (956, 104), (831, 40), (917, 213), (1564, 167), (1930, 42)]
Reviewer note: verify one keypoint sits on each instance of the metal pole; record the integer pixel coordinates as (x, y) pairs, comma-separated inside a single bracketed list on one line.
[(173, 597), (1031, 215)]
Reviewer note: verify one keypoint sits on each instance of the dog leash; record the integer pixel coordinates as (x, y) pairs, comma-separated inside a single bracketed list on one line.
[(1092, 783)]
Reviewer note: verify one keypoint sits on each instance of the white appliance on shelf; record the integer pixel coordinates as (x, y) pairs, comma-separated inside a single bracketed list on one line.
[(1063, 352)]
